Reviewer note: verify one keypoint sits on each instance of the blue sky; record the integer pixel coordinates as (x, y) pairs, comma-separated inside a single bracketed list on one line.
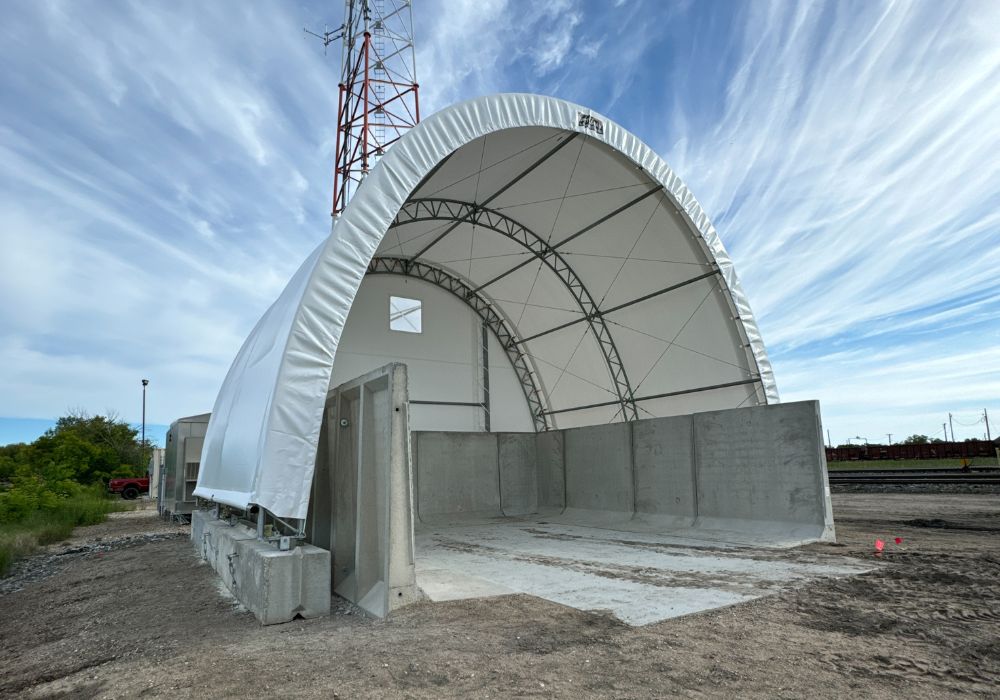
[(166, 167)]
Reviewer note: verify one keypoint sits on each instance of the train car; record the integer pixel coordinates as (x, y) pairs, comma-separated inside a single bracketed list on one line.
[(968, 449)]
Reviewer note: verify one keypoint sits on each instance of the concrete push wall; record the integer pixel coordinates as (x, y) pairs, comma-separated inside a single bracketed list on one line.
[(361, 506), (747, 474)]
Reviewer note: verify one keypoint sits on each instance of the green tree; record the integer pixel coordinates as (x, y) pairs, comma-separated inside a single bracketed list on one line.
[(10, 457), (71, 460), (80, 448), (917, 440), (88, 449)]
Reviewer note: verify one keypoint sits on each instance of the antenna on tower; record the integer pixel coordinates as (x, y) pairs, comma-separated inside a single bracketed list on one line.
[(327, 37), (378, 92)]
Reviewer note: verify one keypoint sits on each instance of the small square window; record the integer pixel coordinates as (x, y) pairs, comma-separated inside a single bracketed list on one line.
[(404, 314)]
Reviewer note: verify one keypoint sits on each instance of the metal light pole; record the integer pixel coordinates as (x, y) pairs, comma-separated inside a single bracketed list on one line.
[(145, 383)]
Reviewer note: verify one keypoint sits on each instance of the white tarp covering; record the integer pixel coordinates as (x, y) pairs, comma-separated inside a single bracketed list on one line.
[(577, 184)]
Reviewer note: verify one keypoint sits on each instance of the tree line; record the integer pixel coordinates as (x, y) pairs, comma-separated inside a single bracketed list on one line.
[(82, 452), (915, 439)]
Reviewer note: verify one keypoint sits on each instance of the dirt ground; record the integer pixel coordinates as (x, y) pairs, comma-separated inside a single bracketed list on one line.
[(124, 610)]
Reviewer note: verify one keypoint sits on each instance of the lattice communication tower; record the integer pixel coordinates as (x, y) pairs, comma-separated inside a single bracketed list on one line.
[(378, 99)]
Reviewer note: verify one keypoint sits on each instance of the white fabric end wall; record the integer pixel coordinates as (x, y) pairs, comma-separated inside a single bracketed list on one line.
[(443, 361)]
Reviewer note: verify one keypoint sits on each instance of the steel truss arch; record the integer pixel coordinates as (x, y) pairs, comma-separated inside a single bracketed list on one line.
[(502, 329), (430, 209)]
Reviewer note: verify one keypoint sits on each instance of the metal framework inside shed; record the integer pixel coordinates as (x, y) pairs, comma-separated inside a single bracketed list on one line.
[(450, 214)]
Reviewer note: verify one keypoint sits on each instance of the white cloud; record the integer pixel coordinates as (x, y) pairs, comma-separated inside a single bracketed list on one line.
[(902, 389), (590, 49), (462, 49), (555, 44), (162, 177), (851, 170), (854, 165)]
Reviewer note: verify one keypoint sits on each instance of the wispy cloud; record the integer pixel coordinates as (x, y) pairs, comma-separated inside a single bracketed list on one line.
[(854, 159), (161, 180), (850, 165)]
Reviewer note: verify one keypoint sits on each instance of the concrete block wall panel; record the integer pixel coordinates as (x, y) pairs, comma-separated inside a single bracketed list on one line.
[(755, 474), (518, 473), (457, 476), (198, 531), (312, 565), (599, 471), (372, 552), (216, 542), (347, 404), (763, 469), (275, 586), (402, 574), (665, 481), (551, 472)]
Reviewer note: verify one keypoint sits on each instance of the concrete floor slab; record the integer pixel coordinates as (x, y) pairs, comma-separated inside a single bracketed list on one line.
[(640, 578)]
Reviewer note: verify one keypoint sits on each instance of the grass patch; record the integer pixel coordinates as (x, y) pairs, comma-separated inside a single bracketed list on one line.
[(890, 464), (18, 540)]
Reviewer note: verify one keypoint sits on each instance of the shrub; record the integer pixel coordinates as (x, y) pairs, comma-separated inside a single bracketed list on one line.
[(51, 523), (56, 483)]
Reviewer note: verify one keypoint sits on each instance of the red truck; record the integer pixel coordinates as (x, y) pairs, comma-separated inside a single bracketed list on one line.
[(129, 488)]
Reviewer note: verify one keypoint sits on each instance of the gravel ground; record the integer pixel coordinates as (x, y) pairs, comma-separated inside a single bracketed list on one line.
[(126, 529), (134, 613)]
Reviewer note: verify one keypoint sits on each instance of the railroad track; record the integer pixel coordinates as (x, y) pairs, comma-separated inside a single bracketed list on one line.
[(981, 476)]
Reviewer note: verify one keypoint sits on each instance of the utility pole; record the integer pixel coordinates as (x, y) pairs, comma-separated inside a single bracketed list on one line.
[(952, 424), (944, 427), (987, 419), (890, 437), (378, 91), (829, 440), (145, 383)]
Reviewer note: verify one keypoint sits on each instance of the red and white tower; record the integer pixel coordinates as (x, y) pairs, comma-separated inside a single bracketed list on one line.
[(378, 98)]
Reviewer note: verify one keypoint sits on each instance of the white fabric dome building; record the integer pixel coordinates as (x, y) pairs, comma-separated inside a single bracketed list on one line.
[(600, 287)]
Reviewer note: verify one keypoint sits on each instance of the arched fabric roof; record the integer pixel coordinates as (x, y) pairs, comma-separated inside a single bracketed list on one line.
[(592, 263)]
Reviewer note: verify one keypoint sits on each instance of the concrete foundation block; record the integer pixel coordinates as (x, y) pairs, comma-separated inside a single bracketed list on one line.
[(275, 586)]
